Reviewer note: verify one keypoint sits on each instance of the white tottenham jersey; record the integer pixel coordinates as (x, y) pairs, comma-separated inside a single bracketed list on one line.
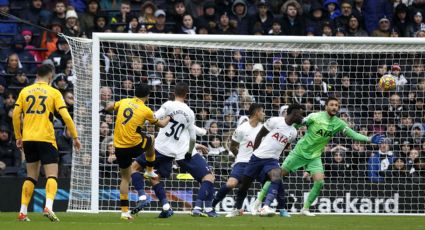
[(276, 140), (173, 140), (245, 135)]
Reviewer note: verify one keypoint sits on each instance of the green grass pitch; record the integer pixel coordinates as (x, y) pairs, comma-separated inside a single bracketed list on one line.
[(107, 221)]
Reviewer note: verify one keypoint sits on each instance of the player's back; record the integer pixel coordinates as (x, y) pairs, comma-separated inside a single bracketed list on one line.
[(39, 102), (245, 135), (280, 134), (173, 140), (131, 115)]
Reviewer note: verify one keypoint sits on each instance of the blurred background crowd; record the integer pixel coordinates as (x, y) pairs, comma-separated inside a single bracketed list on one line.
[(225, 82)]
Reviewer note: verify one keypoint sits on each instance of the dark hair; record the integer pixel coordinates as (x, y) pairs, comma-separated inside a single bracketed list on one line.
[(292, 107), (181, 89), (253, 108), (331, 99), (44, 70), (142, 90)]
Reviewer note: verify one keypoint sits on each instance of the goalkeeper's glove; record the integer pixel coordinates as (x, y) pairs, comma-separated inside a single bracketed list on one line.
[(188, 156), (377, 139)]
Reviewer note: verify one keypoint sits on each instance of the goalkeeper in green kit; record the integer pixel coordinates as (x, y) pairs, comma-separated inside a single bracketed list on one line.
[(321, 127)]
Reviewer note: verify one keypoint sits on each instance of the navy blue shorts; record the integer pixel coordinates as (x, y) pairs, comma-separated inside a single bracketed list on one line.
[(163, 164), (238, 170), (258, 166), (196, 166)]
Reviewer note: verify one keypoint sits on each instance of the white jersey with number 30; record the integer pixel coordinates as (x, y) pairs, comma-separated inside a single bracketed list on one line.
[(245, 135), (280, 134), (173, 140)]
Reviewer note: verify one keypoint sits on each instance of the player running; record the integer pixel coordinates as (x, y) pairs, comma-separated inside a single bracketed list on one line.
[(177, 142), (242, 146), (37, 103), (321, 127), (278, 132), (129, 140)]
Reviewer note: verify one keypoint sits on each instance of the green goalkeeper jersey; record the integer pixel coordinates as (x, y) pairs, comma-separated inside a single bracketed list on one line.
[(320, 129)]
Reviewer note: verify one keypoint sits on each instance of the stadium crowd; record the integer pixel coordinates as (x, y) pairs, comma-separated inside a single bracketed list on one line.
[(225, 82)]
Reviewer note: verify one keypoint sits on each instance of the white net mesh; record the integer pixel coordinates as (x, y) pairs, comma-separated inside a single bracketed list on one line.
[(226, 77)]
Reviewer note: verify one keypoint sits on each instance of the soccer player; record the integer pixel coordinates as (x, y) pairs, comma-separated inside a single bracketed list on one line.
[(321, 127), (242, 145), (37, 103), (177, 142), (129, 140), (278, 132)]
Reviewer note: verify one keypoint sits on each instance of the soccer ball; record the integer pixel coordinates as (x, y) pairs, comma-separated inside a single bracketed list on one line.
[(387, 82)]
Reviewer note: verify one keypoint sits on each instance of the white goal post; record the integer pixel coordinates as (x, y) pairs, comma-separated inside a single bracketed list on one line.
[(226, 73)]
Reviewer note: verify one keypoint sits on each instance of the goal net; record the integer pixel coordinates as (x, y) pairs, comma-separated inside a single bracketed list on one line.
[(228, 73)]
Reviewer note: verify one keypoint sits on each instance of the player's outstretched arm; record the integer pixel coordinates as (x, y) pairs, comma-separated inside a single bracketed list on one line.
[(375, 139), (234, 147), (108, 108), (263, 132), (163, 122)]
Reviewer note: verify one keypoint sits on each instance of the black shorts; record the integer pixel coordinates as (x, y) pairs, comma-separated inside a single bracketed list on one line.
[(40, 151), (126, 155)]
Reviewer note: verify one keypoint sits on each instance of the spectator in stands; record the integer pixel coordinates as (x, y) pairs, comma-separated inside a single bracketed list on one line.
[(7, 25), (147, 17), (292, 80), (210, 17), (377, 124), (18, 82), (405, 125), (276, 27), (160, 20), (123, 18), (393, 134), (36, 14), (105, 95), (276, 76), (68, 96), (307, 72), (327, 30), (187, 25), (72, 26), (134, 26), (415, 25), (215, 146), (412, 156), (224, 25), (380, 162), (347, 92), (417, 134), (105, 131), (177, 13), (9, 154), (346, 11), (12, 67), (401, 19), (384, 28), (338, 165), (256, 83), (100, 25), (29, 45), (419, 109), (315, 19), (64, 142), (333, 75), (395, 108), (24, 55), (354, 27), (417, 73), (398, 173), (374, 11), (86, 19), (292, 21), (61, 83), (263, 19), (239, 18), (49, 39), (400, 79), (59, 12), (63, 51)]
